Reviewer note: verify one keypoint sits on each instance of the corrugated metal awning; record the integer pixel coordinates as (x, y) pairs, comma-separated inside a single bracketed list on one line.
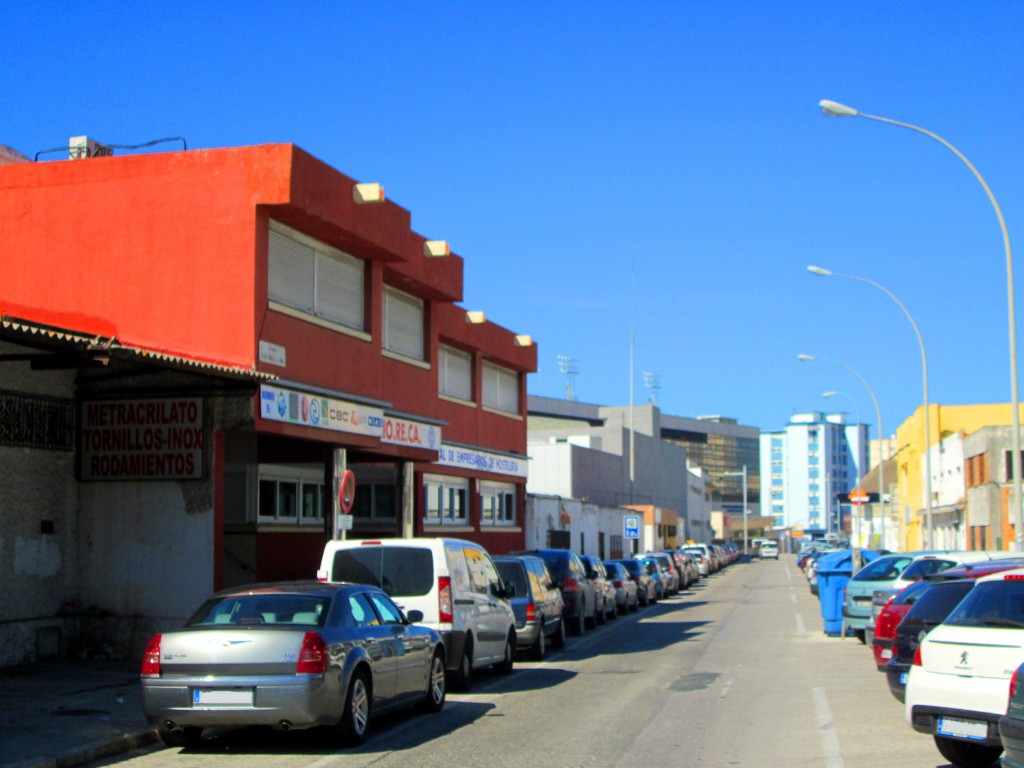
[(100, 346)]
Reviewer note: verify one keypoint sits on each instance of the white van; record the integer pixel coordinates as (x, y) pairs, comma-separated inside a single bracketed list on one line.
[(453, 582)]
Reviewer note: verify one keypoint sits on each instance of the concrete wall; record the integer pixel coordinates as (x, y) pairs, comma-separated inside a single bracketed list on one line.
[(584, 522), (39, 494)]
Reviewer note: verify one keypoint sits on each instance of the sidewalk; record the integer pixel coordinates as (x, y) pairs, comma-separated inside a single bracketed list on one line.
[(66, 713)]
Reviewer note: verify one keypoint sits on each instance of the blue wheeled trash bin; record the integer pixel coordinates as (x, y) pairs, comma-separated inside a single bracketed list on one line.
[(834, 572)]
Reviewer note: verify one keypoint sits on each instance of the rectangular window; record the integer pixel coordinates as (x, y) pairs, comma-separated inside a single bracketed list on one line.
[(403, 324), (290, 495), (312, 277), (374, 501), (497, 504), (455, 373), (501, 388), (444, 500)]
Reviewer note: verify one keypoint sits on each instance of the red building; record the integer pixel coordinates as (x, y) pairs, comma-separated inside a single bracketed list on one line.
[(230, 331)]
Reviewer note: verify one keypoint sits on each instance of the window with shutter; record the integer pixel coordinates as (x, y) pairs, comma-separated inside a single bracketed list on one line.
[(403, 324), (500, 388), (455, 373), (311, 277)]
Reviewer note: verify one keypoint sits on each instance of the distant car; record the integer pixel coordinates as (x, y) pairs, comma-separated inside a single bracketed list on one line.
[(646, 589), (291, 655), (602, 587), (770, 551), (578, 594), (958, 683), (626, 592), (536, 603), (701, 559), (667, 571)]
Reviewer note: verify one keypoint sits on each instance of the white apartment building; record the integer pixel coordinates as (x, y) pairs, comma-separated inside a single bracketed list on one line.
[(807, 464)]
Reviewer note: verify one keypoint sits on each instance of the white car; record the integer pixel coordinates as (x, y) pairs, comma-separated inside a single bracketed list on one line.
[(925, 565), (959, 682), (452, 582), (769, 551)]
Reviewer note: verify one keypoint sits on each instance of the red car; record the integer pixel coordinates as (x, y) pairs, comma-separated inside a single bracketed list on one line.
[(894, 611)]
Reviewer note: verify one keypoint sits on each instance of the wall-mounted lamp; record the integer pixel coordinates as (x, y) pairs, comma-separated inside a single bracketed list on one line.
[(522, 340), (476, 317), (368, 193), (436, 248)]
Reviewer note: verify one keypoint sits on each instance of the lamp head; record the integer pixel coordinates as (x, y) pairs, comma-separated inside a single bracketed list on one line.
[(818, 270), (804, 358), (829, 394), (835, 109)]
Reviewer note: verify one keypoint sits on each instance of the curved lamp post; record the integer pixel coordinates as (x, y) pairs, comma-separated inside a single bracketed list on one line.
[(927, 409), (835, 109), (853, 402), (878, 416)]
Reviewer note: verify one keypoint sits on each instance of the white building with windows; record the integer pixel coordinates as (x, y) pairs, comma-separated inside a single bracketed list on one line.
[(806, 466)]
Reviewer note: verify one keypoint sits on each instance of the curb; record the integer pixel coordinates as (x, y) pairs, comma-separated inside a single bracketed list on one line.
[(92, 752)]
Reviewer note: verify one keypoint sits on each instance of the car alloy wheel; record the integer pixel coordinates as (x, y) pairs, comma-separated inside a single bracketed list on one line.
[(356, 718), (540, 644), (436, 684)]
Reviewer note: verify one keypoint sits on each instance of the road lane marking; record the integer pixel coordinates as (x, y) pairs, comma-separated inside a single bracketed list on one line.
[(827, 730), (725, 690), (789, 576), (800, 625)]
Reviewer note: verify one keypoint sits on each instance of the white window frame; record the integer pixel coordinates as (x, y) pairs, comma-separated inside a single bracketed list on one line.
[(444, 491), (454, 373), (311, 278), (497, 504), (500, 388), (404, 324), (305, 479)]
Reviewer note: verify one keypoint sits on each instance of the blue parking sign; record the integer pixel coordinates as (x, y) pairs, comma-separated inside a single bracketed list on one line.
[(631, 527)]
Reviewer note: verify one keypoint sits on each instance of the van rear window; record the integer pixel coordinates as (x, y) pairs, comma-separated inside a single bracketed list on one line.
[(399, 571)]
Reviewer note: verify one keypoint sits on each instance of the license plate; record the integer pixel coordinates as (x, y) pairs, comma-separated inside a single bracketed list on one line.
[(965, 729), (886, 653), (903, 678), (222, 697)]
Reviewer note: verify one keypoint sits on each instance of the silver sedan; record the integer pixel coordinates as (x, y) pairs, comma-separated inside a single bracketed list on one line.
[(291, 655)]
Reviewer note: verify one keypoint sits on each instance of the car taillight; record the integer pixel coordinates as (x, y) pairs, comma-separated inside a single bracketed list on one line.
[(1014, 577), (313, 656), (917, 657), (151, 657), (444, 599), (531, 611), (570, 585), (1013, 684), (617, 584)]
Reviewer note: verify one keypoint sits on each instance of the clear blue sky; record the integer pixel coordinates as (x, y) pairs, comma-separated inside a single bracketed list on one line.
[(606, 167)]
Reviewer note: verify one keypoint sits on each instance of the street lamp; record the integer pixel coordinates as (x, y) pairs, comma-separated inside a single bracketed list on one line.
[(742, 474), (834, 109), (853, 402), (881, 435), (927, 408)]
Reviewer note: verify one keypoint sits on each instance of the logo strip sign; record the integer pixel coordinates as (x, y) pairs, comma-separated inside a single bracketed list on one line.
[(146, 439), (320, 412)]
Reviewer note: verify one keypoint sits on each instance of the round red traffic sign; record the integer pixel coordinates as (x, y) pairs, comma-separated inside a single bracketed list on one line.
[(347, 491)]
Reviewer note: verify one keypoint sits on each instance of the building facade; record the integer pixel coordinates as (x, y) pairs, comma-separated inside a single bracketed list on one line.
[(204, 355), (807, 465)]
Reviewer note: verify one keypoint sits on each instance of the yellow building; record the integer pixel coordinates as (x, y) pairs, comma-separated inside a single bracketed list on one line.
[(944, 420)]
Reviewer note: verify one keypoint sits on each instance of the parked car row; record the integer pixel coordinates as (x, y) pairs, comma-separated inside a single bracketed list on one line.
[(389, 623), (947, 630)]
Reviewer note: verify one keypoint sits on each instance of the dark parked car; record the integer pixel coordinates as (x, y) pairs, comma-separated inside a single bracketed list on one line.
[(626, 593), (667, 571), (657, 575), (602, 586), (291, 655), (578, 593), (646, 589), (536, 603)]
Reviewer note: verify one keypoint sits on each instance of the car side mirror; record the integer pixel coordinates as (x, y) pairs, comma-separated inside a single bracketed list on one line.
[(414, 616)]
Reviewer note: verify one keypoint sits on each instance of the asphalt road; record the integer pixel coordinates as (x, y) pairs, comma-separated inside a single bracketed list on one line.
[(737, 672)]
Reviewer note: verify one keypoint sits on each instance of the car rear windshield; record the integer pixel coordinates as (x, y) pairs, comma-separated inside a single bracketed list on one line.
[(399, 571), (262, 609), (633, 567), (883, 569), (921, 568), (911, 593), (997, 603), (556, 561), (939, 600), (515, 574)]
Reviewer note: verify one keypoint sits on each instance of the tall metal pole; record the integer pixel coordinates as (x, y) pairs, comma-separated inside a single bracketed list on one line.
[(745, 536), (834, 109), (927, 407)]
